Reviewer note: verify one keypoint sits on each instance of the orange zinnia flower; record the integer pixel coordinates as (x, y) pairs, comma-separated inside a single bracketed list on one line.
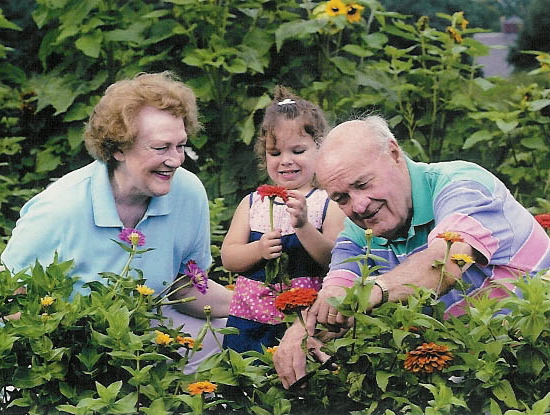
[(272, 349), (272, 191), (427, 358), (198, 388), (451, 237), (188, 342), (295, 299)]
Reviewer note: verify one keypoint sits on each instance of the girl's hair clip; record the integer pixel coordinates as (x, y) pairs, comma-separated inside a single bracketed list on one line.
[(286, 101)]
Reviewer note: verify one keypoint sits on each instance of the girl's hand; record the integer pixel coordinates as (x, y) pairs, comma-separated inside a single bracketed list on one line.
[(297, 208), (270, 245)]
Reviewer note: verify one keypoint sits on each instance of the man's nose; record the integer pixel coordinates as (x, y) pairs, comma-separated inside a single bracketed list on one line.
[(359, 203)]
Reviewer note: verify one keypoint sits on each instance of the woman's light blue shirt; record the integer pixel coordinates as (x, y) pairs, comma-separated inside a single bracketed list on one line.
[(77, 217)]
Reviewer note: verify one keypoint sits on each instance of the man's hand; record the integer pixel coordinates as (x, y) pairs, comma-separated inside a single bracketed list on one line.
[(322, 312), (290, 359)]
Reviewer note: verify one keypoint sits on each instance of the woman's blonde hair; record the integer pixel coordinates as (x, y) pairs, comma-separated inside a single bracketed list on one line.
[(112, 125)]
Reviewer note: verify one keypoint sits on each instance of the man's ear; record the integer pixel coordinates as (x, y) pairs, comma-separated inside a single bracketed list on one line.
[(395, 151)]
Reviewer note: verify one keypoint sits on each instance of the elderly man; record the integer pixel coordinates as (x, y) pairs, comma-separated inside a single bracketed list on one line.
[(407, 204)]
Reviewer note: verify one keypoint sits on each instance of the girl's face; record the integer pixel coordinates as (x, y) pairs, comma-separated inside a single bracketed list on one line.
[(291, 158)]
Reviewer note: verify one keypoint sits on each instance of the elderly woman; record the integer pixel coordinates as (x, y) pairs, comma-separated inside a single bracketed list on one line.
[(137, 135)]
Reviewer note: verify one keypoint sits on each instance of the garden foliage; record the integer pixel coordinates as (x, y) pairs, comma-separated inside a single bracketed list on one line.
[(101, 354), (232, 53), (97, 353)]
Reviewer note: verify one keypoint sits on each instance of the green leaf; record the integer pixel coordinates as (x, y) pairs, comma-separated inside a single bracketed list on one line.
[(382, 379), (538, 104), (297, 29), (46, 161), (503, 391), (506, 127), (477, 137), (90, 45), (357, 50), (534, 143), (6, 24)]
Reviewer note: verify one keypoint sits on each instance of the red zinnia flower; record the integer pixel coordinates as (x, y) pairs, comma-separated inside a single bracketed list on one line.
[(197, 275), (427, 358), (544, 220), (272, 191), (295, 299)]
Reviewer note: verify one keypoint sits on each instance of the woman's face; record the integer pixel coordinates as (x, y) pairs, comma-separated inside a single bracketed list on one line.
[(146, 169)]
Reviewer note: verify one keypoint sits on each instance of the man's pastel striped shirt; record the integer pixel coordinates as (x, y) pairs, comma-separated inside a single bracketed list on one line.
[(461, 197)]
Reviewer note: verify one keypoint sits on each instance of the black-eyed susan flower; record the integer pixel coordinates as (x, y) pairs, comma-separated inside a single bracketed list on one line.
[(457, 38), (353, 12), (336, 7)]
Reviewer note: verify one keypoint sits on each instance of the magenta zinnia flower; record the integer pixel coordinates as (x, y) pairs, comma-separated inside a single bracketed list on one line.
[(197, 275), (132, 236)]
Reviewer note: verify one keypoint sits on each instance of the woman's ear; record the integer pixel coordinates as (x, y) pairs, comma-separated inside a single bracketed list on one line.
[(118, 155)]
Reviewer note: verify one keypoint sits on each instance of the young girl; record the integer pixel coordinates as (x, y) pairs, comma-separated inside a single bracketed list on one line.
[(305, 226)]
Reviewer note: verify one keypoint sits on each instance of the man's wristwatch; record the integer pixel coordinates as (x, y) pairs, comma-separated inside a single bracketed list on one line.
[(383, 287)]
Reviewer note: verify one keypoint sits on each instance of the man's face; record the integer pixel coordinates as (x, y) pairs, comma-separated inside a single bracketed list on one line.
[(371, 187)]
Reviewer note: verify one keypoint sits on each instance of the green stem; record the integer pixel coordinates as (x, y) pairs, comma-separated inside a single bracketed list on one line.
[(442, 272)]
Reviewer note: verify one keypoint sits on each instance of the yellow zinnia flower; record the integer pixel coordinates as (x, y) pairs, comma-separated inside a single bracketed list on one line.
[(162, 338), (462, 259), (46, 301), (353, 13), (335, 7), (272, 349), (144, 290)]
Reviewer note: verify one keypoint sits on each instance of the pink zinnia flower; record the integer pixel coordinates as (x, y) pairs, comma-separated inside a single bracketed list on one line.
[(197, 275), (132, 236)]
